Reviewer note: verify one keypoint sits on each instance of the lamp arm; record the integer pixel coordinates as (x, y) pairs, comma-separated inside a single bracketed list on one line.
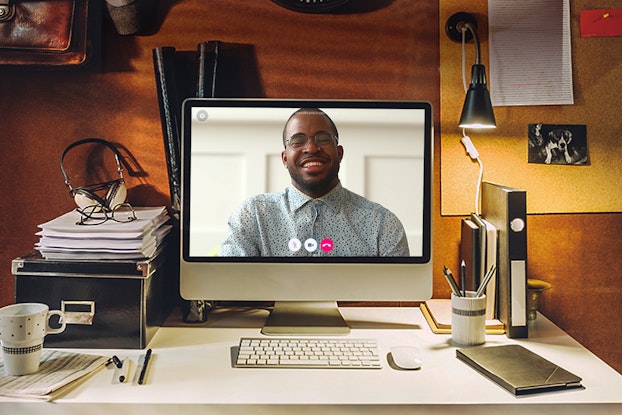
[(478, 56)]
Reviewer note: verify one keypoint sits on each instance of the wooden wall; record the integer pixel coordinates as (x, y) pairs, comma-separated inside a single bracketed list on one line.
[(377, 49)]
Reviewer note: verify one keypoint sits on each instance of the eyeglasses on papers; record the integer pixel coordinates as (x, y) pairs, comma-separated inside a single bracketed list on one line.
[(98, 214)]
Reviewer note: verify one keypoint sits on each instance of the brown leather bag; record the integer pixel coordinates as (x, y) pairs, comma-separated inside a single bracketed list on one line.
[(50, 33)]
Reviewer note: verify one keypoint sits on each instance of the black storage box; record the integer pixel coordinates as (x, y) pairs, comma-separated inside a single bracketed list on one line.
[(108, 304)]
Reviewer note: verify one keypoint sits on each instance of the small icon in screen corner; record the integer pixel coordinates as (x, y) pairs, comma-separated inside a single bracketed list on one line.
[(202, 115)]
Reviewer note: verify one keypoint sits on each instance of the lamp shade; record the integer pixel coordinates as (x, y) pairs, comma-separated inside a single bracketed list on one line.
[(477, 110)]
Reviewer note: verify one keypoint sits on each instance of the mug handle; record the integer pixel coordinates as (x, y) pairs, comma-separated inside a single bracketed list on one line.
[(50, 330)]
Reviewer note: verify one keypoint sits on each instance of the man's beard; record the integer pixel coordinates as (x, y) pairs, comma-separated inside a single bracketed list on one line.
[(316, 186)]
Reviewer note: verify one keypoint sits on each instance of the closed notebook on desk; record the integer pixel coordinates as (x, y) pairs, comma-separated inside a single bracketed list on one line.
[(518, 369)]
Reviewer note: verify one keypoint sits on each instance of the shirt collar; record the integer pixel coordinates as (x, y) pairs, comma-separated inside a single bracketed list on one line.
[(332, 199)]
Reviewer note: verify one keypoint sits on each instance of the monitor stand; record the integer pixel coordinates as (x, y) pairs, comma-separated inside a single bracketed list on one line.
[(305, 318)]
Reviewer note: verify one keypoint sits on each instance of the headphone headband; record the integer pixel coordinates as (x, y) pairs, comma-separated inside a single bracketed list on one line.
[(84, 196), (117, 156)]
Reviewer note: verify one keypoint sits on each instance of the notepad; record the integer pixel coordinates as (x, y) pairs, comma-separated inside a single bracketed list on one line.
[(437, 313), (518, 369)]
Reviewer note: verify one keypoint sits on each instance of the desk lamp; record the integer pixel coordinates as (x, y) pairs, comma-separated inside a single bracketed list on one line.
[(477, 110)]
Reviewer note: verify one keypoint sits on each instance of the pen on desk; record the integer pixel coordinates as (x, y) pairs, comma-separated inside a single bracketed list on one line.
[(463, 278), (117, 362), (143, 370), (452, 282), (485, 281)]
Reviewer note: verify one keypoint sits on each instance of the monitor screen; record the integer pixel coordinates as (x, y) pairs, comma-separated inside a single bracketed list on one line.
[(306, 201)]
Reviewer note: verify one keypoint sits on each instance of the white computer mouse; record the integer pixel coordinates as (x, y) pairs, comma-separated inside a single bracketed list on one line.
[(406, 357)]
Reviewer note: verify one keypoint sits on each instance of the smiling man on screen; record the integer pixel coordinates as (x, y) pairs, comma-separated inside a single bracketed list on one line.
[(316, 215)]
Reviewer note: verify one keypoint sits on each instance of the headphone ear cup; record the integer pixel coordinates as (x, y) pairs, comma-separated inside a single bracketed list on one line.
[(84, 198), (116, 194)]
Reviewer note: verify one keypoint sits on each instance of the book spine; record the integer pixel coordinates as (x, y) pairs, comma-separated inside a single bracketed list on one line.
[(470, 253), (492, 259), (170, 117), (207, 55), (477, 220)]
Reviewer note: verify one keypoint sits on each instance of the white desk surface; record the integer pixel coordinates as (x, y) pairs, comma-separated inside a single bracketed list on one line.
[(191, 373)]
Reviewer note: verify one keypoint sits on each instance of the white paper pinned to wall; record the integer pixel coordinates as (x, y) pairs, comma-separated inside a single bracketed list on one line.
[(530, 52)]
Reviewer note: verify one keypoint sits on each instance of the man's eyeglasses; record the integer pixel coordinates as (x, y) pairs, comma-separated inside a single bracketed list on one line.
[(322, 139), (97, 214)]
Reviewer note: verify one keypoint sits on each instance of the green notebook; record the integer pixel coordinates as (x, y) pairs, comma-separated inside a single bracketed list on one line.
[(518, 369)]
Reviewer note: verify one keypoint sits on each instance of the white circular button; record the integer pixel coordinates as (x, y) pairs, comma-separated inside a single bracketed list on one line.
[(517, 224), (310, 245), (294, 244)]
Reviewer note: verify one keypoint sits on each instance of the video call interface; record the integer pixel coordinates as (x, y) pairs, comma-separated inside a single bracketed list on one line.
[(232, 151)]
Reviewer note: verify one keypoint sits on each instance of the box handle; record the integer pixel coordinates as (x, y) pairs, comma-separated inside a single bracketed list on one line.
[(78, 312)]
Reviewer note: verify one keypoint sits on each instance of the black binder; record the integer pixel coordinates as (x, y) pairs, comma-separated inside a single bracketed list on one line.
[(170, 116), (506, 209), (208, 54), (181, 75), (214, 69)]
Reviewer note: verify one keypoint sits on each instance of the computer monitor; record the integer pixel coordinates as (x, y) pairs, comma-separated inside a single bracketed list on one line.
[(236, 149)]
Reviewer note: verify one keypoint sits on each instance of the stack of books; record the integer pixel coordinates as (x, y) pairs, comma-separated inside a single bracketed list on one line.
[(70, 237), (479, 246)]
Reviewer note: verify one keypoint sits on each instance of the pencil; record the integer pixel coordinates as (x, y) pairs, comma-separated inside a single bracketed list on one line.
[(452, 282), (485, 281), (463, 277)]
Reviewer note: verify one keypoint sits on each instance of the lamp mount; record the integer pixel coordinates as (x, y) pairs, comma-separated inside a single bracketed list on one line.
[(455, 24)]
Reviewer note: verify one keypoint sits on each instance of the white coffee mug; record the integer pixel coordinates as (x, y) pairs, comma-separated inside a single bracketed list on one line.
[(23, 327)]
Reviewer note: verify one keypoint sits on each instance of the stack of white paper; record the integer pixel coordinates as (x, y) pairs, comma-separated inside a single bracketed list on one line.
[(64, 238)]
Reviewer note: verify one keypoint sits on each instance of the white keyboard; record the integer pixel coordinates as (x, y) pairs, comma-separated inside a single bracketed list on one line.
[(342, 353)]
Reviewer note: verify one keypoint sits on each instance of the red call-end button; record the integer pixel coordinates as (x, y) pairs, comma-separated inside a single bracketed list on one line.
[(326, 245)]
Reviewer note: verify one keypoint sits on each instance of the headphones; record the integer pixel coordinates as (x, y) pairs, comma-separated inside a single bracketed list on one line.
[(84, 196)]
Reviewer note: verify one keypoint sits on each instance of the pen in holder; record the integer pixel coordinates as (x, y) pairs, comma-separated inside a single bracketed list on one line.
[(468, 319)]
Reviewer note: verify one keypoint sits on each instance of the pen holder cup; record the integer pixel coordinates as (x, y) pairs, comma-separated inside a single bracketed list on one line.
[(468, 319)]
